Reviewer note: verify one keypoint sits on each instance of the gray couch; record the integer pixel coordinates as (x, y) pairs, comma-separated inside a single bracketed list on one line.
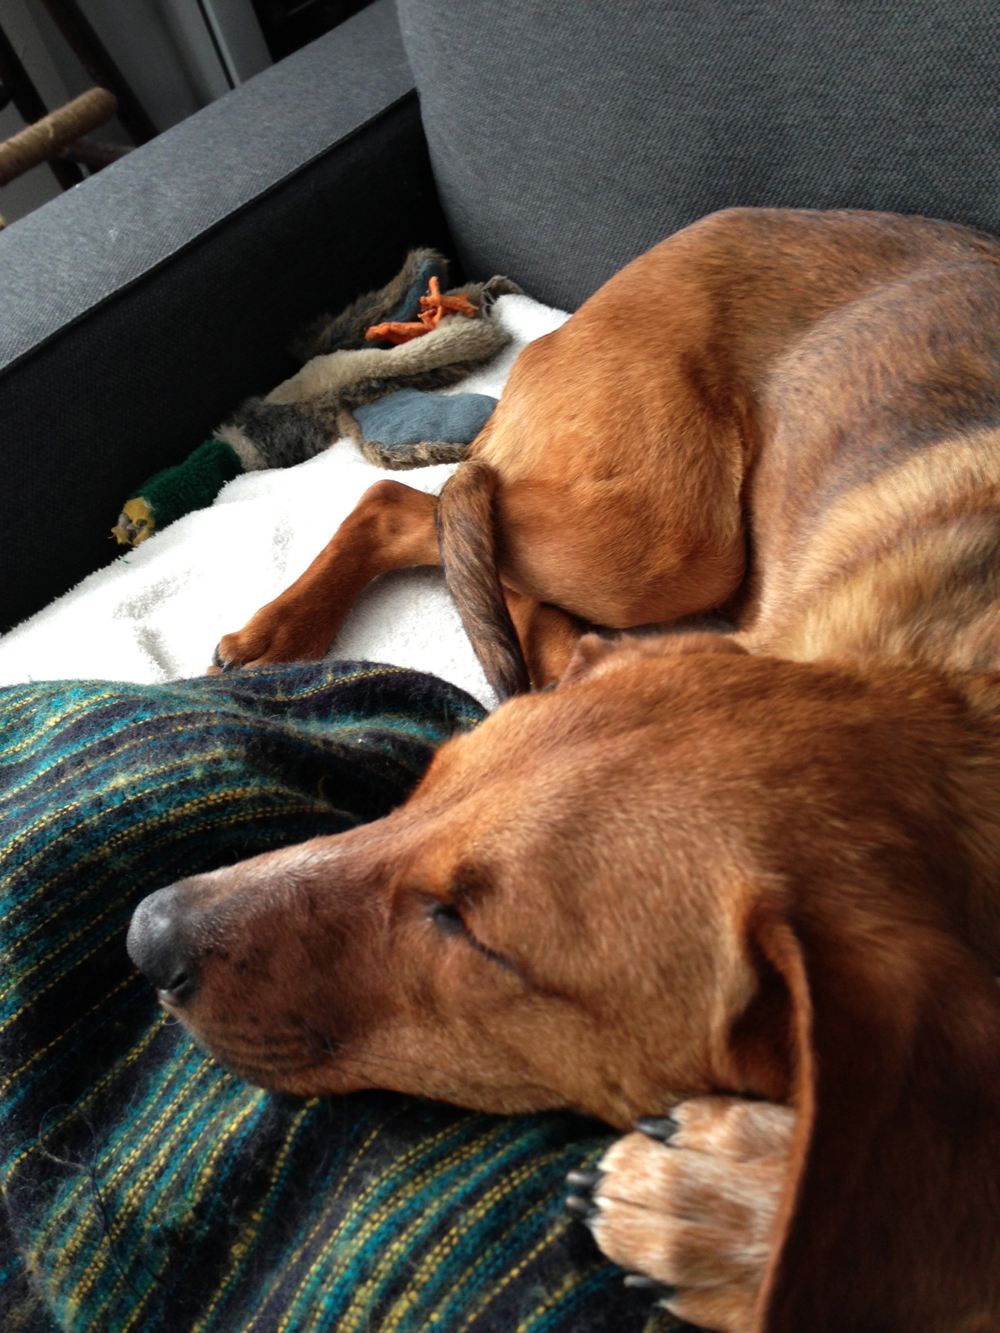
[(553, 140)]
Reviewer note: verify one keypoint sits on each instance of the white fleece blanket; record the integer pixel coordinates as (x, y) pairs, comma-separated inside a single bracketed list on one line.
[(157, 613)]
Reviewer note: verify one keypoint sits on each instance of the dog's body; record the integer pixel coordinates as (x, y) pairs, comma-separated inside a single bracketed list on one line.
[(706, 867)]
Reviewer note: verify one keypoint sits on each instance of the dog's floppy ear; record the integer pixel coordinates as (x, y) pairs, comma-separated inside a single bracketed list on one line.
[(589, 651), (890, 1216), (594, 649)]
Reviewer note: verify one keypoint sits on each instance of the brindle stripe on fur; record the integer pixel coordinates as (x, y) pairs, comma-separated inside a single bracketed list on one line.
[(468, 553)]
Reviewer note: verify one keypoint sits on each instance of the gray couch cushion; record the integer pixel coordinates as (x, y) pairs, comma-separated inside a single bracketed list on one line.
[(141, 308), (568, 137), (115, 228), (148, 374)]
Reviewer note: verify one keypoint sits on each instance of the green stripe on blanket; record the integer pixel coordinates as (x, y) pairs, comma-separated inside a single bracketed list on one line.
[(145, 1188)]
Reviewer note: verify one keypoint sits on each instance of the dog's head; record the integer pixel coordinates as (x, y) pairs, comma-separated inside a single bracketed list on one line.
[(571, 910)]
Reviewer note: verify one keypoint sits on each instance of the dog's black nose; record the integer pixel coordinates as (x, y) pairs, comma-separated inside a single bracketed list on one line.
[(158, 946)]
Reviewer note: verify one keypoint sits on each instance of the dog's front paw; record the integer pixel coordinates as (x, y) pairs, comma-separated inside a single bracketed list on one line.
[(281, 631), (690, 1203)]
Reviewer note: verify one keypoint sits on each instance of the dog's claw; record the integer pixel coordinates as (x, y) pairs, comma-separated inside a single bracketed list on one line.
[(585, 1180), (661, 1290), (581, 1207), (662, 1127)]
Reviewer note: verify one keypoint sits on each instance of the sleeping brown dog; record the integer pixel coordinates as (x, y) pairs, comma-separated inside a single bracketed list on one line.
[(744, 884)]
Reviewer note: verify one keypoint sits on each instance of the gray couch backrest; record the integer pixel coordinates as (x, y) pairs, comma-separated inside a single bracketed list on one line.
[(567, 136)]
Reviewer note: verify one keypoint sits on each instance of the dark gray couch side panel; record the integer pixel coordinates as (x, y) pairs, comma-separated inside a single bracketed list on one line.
[(568, 137), (137, 383), (86, 245), (139, 309)]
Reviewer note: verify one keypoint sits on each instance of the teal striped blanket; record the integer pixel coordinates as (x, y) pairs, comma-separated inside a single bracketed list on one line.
[(147, 1190)]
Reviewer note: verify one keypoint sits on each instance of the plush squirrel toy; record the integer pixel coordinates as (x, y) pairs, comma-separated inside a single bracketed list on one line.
[(368, 374)]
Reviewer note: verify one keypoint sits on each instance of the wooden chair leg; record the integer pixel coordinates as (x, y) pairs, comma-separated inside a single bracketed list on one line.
[(93, 55), (30, 107)]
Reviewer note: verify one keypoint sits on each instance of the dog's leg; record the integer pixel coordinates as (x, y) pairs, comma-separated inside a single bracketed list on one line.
[(392, 526), (693, 1204), (548, 637)]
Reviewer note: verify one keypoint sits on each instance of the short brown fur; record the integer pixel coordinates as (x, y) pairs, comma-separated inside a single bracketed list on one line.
[(703, 868)]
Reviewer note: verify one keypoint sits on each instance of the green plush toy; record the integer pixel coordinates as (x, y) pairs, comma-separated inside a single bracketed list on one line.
[(423, 340), (175, 491)]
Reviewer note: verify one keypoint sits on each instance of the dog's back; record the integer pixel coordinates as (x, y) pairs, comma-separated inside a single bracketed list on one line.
[(793, 414), (874, 507)]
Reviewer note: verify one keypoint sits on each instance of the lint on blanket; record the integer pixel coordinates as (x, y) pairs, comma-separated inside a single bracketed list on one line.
[(368, 374)]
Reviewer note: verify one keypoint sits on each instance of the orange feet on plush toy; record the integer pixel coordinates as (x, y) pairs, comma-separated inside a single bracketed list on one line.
[(433, 308)]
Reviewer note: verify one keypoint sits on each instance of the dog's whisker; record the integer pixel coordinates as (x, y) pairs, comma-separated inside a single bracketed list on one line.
[(261, 1062), (357, 1054), (258, 1071)]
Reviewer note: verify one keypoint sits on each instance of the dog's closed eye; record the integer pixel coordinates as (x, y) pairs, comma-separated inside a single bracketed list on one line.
[(448, 920)]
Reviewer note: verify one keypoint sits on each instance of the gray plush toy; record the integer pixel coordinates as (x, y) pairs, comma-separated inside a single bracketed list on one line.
[(367, 375)]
